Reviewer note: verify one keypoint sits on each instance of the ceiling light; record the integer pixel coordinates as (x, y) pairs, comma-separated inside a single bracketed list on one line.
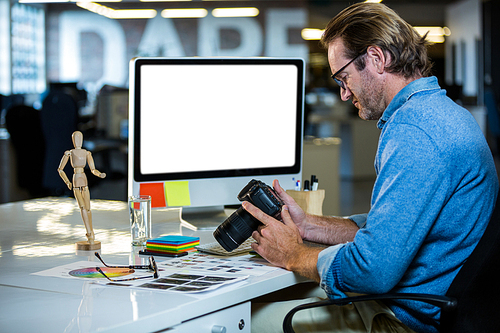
[(163, 0), (311, 34), (235, 12), (42, 1), (184, 13), (434, 34), (117, 13), (133, 13), (60, 1)]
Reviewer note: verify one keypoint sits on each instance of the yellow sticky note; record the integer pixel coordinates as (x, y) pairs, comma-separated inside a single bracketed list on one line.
[(177, 193)]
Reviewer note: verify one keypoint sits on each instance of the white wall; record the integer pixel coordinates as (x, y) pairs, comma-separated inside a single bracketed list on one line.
[(464, 20)]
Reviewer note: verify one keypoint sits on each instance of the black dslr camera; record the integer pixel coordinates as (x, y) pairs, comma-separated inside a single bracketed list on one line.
[(240, 225)]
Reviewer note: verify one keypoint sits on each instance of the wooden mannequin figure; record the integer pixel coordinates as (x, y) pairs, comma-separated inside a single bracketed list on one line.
[(79, 157)]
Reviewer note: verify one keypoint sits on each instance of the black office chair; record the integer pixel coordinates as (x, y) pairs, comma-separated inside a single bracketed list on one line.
[(58, 118), (23, 124), (471, 302)]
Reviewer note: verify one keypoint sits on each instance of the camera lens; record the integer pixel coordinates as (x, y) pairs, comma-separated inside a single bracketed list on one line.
[(236, 229)]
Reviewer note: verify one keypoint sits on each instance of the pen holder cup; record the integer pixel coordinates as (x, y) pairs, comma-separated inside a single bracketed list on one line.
[(310, 201)]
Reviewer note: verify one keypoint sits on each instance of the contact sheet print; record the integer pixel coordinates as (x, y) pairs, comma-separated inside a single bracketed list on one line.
[(200, 262), (200, 272), (191, 283), (194, 273)]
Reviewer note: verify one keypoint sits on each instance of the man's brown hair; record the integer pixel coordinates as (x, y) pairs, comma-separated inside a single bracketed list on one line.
[(371, 24)]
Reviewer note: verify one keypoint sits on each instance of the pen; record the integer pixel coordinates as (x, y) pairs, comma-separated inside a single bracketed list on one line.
[(306, 185), (297, 185), (314, 183)]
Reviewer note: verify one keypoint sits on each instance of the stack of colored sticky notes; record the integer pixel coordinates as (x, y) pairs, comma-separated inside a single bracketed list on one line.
[(173, 244)]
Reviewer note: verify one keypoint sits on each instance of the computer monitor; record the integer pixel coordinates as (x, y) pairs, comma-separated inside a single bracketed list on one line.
[(201, 128)]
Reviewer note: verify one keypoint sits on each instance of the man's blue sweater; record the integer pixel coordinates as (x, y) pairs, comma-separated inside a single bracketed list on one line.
[(433, 197)]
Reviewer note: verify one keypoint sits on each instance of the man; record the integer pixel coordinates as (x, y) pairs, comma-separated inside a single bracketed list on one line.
[(434, 193)]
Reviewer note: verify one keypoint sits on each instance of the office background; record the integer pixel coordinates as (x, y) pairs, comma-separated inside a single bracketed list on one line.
[(65, 67)]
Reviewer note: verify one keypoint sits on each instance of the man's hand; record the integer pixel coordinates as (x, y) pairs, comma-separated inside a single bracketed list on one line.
[(276, 241), (296, 213), (281, 243), (328, 230)]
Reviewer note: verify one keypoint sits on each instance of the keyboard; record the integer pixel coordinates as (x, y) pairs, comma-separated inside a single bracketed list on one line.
[(217, 249)]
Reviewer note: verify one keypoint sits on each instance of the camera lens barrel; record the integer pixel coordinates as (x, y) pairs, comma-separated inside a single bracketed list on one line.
[(240, 225), (236, 229)]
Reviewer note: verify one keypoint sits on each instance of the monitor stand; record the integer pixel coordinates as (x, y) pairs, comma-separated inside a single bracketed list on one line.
[(203, 218)]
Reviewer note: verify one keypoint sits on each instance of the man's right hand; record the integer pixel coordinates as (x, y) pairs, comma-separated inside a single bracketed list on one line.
[(297, 214)]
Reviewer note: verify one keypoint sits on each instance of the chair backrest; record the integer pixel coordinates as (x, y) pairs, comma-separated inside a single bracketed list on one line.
[(476, 286), (23, 124), (59, 118)]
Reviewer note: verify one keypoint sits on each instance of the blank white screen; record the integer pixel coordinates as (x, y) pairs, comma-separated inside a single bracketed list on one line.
[(217, 117)]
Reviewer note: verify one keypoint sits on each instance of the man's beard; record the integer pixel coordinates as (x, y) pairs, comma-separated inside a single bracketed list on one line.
[(370, 99)]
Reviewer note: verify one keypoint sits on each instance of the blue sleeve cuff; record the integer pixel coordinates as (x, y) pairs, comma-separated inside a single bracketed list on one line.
[(329, 271), (359, 219)]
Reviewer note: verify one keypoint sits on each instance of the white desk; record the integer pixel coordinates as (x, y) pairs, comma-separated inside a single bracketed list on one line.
[(39, 234)]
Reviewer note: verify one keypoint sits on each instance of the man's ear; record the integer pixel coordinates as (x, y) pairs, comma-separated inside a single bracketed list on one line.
[(377, 57)]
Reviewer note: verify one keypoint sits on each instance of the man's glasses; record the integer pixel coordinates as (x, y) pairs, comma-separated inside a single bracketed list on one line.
[(152, 267), (340, 82)]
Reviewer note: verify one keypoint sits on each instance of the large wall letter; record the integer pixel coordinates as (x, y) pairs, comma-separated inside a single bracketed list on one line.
[(209, 43), (160, 38), (71, 25), (278, 21)]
